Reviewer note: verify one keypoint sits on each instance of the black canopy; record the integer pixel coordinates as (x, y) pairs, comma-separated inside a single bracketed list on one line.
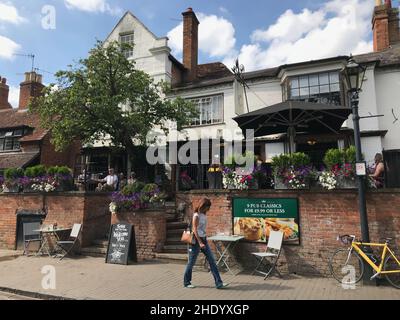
[(298, 115), (294, 116)]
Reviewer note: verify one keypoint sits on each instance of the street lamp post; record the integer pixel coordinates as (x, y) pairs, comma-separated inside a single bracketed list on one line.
[(354, 75)]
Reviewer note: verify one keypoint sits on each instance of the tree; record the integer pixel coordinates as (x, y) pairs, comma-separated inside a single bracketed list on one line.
[(105, 96)]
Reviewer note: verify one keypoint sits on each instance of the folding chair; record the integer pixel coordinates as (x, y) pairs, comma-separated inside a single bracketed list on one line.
[(31, 234), (67, 246), (267, 260)]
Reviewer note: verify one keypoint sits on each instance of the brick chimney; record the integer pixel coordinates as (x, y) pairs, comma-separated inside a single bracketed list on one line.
[(190, 44), (31, 88), (385, 25), (4, 90)]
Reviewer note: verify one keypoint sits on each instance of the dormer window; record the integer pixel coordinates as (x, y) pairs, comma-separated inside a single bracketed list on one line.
[(128, 39), (318, 88), (9, 139)]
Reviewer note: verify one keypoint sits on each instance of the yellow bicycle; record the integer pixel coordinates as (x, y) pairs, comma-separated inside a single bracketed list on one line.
[(350, 261)]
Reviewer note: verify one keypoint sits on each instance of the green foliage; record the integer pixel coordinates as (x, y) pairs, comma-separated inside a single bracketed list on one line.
[(13, 173), (150, 187), (284, 161), (133, 188), (36, 171), (350, 154), (105, 95), (239, 160), (340, 157)]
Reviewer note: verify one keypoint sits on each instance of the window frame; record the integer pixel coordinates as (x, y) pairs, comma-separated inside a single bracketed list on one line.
[(199, 119), (128, 34), (13, 139), (287, 92)]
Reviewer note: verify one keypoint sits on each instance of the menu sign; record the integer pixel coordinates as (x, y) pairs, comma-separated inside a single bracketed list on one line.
[(121, 244), (255, 218)]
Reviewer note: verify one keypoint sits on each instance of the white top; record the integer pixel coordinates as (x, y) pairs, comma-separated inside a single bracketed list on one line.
[(111, 180), (202, 226)]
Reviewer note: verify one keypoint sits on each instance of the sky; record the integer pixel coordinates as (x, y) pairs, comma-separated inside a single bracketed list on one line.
[(261, 33)]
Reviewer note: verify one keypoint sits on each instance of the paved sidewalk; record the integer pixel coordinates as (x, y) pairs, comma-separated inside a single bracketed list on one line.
[(91, 278)]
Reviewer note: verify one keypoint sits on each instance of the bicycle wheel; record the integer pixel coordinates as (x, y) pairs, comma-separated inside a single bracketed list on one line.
[(345, 269), (391, 265)]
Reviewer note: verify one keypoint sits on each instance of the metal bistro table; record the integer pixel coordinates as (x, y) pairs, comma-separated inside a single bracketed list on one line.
[(46, 233), (230, 242)]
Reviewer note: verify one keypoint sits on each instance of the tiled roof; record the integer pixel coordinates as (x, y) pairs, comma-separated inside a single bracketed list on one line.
[(385, 58), (17, 159), (15, 118)]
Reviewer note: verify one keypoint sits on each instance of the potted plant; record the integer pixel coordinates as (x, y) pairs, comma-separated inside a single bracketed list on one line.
[(63, 176), (341, 165), (33, 177), (12, 178), (291, 171)]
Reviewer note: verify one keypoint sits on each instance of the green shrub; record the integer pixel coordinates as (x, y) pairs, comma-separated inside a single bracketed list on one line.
[(52, 170), (13, 173), (150, 187), (285, 161), (36, 171), (350, 154), (132, 188), (334, 157)]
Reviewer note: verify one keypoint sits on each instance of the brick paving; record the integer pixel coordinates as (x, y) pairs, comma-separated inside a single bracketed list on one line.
[(91, 278)]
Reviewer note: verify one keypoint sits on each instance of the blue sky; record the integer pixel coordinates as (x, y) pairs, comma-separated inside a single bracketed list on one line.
[(262, 33)]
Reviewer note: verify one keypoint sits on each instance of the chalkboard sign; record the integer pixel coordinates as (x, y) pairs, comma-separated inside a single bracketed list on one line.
[(121, 244)]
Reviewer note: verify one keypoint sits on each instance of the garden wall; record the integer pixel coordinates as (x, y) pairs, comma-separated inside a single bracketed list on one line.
[(323, 216), (150, 230), (65, 209)]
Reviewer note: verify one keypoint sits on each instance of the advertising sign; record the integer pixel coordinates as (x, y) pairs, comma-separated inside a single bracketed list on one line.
[(255, 218)]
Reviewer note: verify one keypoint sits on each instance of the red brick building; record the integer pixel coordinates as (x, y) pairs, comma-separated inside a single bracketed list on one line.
[(22, 141)]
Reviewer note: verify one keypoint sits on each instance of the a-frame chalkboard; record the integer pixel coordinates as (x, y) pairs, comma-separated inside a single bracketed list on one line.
[(121, 244)]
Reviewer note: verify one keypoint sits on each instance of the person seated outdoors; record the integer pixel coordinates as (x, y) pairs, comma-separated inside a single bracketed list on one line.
[(379, 171), (111, 180), (132, 178), (122, 182)]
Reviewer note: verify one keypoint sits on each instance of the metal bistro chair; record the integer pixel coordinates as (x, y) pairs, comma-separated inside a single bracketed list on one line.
[(67, 246), (31, 234), (268, 259)]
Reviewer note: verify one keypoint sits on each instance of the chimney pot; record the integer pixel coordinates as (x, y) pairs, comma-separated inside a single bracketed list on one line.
[(388, 3), (378, 3), (3, 80)]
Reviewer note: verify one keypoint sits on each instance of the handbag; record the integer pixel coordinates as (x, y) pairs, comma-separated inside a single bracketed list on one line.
[(187, 237)]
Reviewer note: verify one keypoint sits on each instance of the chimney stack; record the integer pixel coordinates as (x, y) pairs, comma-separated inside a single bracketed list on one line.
[(4, 91), (31, 88), (190, 43), (385, 25)]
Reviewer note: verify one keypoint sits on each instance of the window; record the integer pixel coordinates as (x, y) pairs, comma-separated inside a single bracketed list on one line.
[(9, 139), (210, 110), (128, 39), (318, 88)]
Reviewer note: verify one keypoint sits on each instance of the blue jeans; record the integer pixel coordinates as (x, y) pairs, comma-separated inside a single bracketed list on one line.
[(194, 251)]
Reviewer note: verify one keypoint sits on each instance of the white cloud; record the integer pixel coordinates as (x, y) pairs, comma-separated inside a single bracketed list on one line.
[(9, 13), (216, 36), (13, 96), (339, 27), (92, 6), (7, 48)]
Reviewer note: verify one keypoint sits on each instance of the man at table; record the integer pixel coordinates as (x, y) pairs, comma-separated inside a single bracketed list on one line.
[(111, 180)]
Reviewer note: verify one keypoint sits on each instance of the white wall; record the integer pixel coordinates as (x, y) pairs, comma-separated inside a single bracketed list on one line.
[(371, 146), (388, 97), (150, 53)]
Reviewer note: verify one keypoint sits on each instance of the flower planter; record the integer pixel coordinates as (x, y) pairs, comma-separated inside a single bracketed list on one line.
[(346, 183), (279, 184), (11, 189)]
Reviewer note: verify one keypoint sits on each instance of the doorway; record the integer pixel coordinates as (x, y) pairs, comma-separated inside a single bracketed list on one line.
[(316, 151)]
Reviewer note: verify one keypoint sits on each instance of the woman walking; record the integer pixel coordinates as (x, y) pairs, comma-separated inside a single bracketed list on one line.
[(199, 224)]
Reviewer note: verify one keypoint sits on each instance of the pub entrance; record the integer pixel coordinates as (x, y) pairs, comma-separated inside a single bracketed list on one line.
[(316, 151)]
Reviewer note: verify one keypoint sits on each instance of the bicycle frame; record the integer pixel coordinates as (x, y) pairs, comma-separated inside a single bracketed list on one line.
[(386, 250)]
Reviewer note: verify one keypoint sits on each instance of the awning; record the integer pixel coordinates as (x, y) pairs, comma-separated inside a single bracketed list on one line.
[(301, 116)]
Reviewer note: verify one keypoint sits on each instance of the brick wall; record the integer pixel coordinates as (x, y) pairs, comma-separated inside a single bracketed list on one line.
[(150, 230), (91, 210), (323, 216), (50, 157)]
